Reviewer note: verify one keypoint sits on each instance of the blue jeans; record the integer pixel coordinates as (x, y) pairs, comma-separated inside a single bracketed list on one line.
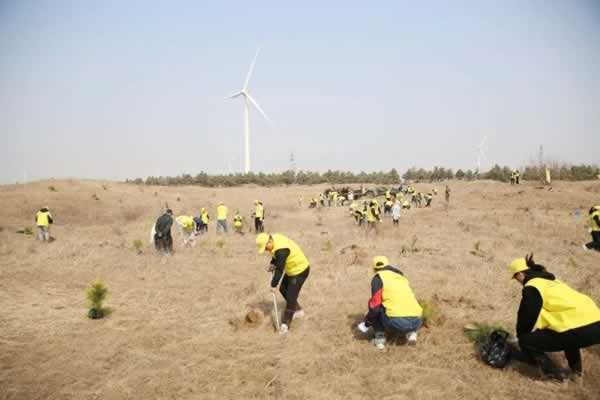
[(395, 325)]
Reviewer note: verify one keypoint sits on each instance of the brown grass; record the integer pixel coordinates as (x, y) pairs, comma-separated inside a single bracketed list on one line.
[(181, 327)]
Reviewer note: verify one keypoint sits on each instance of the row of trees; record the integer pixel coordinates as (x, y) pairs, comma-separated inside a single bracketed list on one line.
[(498, 173), (273, 179), (558, 171)]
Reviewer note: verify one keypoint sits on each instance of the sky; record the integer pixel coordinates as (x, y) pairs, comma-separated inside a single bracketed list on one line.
[(125, 89)]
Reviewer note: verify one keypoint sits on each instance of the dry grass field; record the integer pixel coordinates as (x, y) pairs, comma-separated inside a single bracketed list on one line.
[(177, 328)]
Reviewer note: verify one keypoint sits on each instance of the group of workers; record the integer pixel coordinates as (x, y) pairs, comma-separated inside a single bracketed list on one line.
[(191, 226), (551, 317)]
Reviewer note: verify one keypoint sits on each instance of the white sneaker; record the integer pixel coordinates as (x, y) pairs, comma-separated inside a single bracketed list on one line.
[(411, 337), (283, 329), (378, 342), (298, 314), (584, 247)]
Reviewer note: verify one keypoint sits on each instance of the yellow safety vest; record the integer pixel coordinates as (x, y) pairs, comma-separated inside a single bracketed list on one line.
[(204, 217), (222, 213), (398, 298), (296, 262), (593, 224), (370, 216), (563, 308), (237, 221), (42, 218), (258, 213), (186, 221)]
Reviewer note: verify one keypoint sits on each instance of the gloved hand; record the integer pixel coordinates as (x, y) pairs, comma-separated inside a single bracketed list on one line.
[(363, 327), (589, 230)]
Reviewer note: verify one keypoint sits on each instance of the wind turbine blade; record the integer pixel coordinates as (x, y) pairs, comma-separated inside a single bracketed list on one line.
[(233, 96), (250, 70), (255, 104)]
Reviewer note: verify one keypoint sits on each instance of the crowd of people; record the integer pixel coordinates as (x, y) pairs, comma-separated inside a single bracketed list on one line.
[(551, 317), (191, 226)]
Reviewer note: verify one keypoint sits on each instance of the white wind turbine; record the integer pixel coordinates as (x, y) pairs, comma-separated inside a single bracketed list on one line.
[(481, 155), (248, 99)]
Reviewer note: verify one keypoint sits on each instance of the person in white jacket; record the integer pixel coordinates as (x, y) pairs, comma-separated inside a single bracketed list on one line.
[(396, 212)]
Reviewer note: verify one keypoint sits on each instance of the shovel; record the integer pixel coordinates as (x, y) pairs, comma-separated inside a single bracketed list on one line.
[(275, 308)]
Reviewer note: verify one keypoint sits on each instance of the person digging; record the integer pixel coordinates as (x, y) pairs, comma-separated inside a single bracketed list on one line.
[(288, 261)]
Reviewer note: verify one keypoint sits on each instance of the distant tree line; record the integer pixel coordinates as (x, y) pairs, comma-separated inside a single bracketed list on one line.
[(558, 171), (498, 173), (274, 179)]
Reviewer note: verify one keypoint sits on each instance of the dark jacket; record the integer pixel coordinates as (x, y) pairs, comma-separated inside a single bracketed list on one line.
[(531, 302), (163, 224), (278, 260)]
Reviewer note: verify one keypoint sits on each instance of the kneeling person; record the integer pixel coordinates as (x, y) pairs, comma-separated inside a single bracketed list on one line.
[(393, 307)]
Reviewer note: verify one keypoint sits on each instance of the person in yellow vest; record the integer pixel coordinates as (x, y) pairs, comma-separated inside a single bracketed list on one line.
[(393, 307), (428, 199), (259, 214), (553, 317), (288, 261), (322, 199), (359, 215), (594, 227), (334, 198), (387, 206), (406, 204), (43, 220), (238, 222), (186, 229), (205, 218), (388, 195), (517, 175), (222, 217), (373, 214), (313, 203)]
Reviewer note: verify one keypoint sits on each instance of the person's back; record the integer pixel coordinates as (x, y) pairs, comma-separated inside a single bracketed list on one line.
[(162, 232), (43, 219), (222, 212), (222, 218), (164, 223), (396, 212)]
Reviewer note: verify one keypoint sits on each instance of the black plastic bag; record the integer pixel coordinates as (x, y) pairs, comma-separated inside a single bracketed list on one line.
[(495, 350)]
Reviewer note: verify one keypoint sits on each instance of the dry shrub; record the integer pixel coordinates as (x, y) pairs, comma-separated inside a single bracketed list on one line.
[(358, 255), (132, 214), (431, 314), (52, 188), (137, 245)]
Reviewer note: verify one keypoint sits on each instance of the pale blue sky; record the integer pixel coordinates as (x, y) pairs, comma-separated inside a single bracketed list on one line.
[(117, 89)]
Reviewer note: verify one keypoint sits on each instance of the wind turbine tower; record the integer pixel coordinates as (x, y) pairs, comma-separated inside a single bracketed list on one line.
[(247, 101), (481, 154)]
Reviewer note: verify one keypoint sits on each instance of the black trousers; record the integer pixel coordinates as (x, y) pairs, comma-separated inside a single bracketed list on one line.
[(258, 225), (595, 243), (290, 289), (163, 243), (536, 343)]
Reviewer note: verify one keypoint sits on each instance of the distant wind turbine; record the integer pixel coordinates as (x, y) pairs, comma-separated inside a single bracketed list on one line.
[(248, 99), (481, 154)]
